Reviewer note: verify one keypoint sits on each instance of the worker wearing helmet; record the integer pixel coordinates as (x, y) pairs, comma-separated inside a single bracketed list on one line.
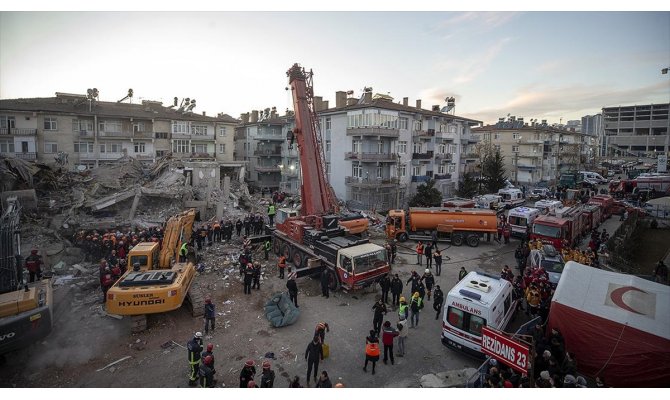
[(247, 374), (206, 372), (320, 331), (248, 277), (429, 280), (194, 348), (34, 265), (257, 276), (415, 306), (210, 315), (267, 376), (209, 353)]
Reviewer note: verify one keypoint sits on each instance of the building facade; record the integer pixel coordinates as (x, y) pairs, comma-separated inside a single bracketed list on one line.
[(535, 152), (78, 131), (636, 131), (378, 151)]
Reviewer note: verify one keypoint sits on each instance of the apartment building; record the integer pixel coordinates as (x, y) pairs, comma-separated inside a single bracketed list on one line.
[(640, 130), (378, 151), (259, 140), (79, 131), (592, 128), (533, 152)]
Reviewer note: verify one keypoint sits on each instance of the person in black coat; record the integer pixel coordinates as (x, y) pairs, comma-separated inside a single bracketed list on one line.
[(248, 277), (324, 283), (313, 355), (385, 284), (292, 287), (396, 290), (438, 299), (380, 310)]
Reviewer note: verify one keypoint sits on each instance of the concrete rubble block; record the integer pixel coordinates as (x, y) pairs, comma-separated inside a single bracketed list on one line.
[(74, 252), (447, 379)]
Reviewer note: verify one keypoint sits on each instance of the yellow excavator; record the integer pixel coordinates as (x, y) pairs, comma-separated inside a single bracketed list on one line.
[(156, 281)]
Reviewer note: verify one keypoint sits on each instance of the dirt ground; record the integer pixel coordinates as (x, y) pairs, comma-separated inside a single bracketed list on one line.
[(654, 245), (84, 340)]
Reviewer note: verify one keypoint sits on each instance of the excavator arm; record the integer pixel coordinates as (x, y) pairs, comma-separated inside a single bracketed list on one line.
[(178, 230)]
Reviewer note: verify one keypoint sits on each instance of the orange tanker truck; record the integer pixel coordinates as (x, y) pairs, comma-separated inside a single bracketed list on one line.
[(456, 225)]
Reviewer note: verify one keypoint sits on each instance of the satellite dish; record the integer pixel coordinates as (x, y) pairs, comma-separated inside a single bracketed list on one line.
[(81, 168)]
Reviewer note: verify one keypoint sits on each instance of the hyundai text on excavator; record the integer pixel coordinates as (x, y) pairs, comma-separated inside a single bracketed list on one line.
[(318, 237), (26, 309), (161, 284)]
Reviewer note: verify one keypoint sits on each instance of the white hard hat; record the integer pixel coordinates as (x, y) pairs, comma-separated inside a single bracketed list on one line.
[(198, 334), (427, 271)]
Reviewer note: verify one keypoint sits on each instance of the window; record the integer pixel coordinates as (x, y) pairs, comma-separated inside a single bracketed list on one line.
[(452, 168), (222, 148), (403, 123), (7, 122), (515, 149), (516, 135), (160, 153), (200, 130), (198, 148), (83, 147), (496, 147), (180, 127), (6, 146), (327, 146), (402, 147), (496, 136), (416, 171), (514, 161), (416, 125), (328, 168), (380, 147), (50, 124), (442, 169), (139, 127), (452, 128), (356, 146), (442, 149), (379, 172), (465, 321), (161, 135), (370, 261), (403, 171), (518, 221), (110, 126), (110, 147), (356, 171), (417, 148), (50, 147), (180, 146), (139, 147), (223, 130), (327, 124)]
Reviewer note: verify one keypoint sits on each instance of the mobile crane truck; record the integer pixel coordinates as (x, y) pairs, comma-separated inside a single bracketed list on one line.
[(161, 284), (314, 240)]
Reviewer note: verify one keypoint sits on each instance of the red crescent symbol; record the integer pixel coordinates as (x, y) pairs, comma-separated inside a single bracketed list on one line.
[(617, 298)]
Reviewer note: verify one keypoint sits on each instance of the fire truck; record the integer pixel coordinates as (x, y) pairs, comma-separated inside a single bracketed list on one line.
[(313, 239), (562, 229)]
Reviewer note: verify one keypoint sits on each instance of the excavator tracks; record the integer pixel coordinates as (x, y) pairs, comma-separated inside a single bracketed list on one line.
[(196, 300)]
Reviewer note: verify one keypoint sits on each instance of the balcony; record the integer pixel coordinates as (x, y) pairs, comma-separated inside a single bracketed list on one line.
[(195, 156), (276, 152), (369, 183), (444, 157), (143, 135), (183, 135), (450, 136), (144, 157), (371, 157), (270, 137), (110, 156), (427, 133), (83, 134), (380, 132), (527, 166), (271, 168), (421, 178), (122, 134), (23, 156), (438, 177), (18, 131), (423, 156), (290, 173), (202, 138), (470, 156)]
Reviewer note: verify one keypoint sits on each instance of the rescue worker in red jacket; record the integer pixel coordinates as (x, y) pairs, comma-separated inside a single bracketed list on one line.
[(206, 372), (194, 348), (106, 281), (34, 265)]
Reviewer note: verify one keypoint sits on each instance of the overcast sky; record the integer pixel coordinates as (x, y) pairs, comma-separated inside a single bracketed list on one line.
[(546, 65)]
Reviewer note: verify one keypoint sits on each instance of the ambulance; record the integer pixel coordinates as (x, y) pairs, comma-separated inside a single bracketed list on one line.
[(548, 206), (479, 299), (520, 218)]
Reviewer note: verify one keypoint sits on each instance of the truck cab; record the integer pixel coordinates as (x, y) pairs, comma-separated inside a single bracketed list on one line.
[(146, 254), (362, 265)]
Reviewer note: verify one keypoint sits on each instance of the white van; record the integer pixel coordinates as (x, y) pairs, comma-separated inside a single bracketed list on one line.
[(511, 197), (520, 218), (477, 300), (593, 177), (548, 206), (489, 202)]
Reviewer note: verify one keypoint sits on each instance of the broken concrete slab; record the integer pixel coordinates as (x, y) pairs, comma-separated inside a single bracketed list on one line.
[(446, 379)]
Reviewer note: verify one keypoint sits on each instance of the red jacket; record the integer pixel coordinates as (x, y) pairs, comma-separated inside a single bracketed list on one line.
[(388, 334)]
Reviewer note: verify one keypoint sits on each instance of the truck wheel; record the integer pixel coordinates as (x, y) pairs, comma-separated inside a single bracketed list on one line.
[(276, 247), (333, 280), (298, 258), (402, 237), (473, 240), (286, 250), (457, 239)]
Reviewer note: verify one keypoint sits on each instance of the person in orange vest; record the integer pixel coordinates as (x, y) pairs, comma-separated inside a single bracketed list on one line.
[(217, 232), (371, 351), (281, 265), (419, 252)]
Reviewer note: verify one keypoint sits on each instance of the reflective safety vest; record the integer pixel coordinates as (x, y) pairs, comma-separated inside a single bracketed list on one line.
[(184, 249), (271, 210), (282, 262), (402, 310), (268, 246), (372, 349)]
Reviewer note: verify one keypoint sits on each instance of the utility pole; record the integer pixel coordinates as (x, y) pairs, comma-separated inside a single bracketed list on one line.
[(397, 176)]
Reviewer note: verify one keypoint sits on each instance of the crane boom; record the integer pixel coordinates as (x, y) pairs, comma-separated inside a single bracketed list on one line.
[(318, 197)]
